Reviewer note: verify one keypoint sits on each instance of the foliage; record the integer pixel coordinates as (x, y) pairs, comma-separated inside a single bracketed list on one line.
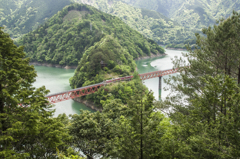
[(118, 131), (26, 125), (150, 23), (190, 42), (210, 129), (64, 38), (140, 133), (216, 54), (205, 103), (91, 132), (193, 14), (71, 154), (22, 16), (105, 57), (115, 92)]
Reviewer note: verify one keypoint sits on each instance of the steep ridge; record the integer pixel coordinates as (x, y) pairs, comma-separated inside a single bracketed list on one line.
[(22, 16), (190, 13), (106, 59), (151, 24), (64, 38)]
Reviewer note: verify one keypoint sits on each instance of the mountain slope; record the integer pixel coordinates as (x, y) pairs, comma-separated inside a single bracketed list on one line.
[(108, 51), (190, 13), (68, 34), (22, 16), (150, 23)]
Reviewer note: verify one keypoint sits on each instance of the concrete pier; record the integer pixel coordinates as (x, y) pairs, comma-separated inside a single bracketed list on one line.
[(160, 87)]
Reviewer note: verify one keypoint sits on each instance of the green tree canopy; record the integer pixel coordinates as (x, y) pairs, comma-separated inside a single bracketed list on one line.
[(205, 105), (65, 37), (26, 124)]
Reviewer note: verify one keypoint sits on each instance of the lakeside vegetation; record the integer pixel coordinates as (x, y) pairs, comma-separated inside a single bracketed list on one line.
[(182, 46)]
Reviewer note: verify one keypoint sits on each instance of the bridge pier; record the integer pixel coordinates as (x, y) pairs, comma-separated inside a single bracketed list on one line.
[(159, 87)]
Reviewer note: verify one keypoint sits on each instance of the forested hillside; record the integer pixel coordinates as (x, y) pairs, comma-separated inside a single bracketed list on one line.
[(173, 22), (22, 16), (190, 13), (151, 24), (67, 35), (106, 55)]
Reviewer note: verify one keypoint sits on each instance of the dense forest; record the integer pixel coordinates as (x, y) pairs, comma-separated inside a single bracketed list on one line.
[(202, 121), (151, 24), (22, 16), (166, 22), (194, 14), (199, 120), (67, 35), (106, 58)]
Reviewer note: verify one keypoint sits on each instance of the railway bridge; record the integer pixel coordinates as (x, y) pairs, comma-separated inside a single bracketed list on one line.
[(82, 91)]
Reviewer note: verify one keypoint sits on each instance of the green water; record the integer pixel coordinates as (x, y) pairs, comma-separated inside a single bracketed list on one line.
[(155, 64), (57, 80)]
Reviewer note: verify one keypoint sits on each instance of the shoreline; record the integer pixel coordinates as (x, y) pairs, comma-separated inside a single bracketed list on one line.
[(88, 104), (179, 49), (74, 67), (52, 65), (151, 56)]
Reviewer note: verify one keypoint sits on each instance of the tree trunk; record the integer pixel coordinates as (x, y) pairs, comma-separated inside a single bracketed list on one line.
[(141, 146), (89, 157), (239, 75), (1, 100)]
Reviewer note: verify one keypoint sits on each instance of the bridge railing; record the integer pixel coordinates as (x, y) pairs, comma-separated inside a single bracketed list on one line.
[(82, 91)]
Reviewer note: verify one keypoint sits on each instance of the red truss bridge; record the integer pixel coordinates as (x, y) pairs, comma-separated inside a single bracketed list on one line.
[(82, 91)]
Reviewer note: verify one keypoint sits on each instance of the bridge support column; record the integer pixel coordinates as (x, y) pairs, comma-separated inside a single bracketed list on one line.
[(160, 87)]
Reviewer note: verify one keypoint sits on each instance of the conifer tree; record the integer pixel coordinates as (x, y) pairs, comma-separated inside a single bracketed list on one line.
[(91, 133), (217, 53), (211, 129), (139, 133), (26, 124), (204, 106)]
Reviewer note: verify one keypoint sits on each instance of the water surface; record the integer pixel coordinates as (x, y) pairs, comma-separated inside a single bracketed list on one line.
[(57, 80)]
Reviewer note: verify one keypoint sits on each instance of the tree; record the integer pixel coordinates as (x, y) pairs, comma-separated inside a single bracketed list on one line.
[(139, 133), (217, 53), (211, 129), (26, 124), (204, 107), (91, 133)]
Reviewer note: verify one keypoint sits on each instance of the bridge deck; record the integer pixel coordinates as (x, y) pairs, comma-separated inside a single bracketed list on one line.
[(78, 92)]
